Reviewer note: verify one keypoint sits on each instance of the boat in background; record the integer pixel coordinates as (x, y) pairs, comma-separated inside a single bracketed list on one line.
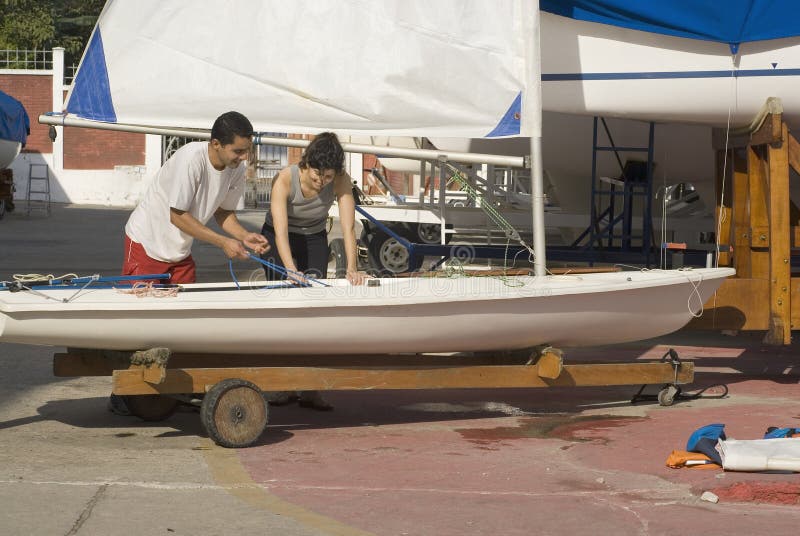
[(14, 128), (398, 315)]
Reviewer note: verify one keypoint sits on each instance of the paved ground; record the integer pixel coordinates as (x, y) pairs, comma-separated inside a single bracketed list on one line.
[(465, 462)]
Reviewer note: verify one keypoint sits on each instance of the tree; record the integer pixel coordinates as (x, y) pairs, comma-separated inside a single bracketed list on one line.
[(44, 24)]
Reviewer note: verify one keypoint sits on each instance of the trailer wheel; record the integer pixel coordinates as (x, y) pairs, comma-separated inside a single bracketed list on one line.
[(666, 396), (339, 257), (151, 408), (234, 413), (388, 256)]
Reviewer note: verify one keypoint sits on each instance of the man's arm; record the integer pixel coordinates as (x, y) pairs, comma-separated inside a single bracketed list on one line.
[(230, 224), (187, 223)]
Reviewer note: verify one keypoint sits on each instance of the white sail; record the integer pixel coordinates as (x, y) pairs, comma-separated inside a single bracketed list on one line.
[(401, 67)]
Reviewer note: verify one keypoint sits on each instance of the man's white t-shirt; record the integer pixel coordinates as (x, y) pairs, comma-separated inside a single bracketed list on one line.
[(188, 182)]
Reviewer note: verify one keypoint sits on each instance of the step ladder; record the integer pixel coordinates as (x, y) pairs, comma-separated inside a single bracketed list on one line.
[(612, 205), (38, 188)]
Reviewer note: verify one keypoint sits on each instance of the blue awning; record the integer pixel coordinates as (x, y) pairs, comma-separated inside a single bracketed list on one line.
[(726, 21)]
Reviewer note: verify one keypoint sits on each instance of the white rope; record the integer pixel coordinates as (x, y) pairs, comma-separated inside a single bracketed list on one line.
[(732, 110), (695, 292), (27, 278)]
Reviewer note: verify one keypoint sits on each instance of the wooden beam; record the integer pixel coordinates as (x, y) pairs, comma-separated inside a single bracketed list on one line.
[(91, 363), (741, 217), (759, 215), (131, 381), (722, 213), (780, 303), (795, 289), (794, 153)]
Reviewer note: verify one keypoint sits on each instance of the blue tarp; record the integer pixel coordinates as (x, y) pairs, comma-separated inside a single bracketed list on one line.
[(726, 21), (14, 122)]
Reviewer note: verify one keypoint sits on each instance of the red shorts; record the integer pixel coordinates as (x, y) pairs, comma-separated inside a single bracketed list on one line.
[(137, 262)]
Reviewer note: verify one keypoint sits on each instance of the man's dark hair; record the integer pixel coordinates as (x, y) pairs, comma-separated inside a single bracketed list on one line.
[(229, 125), (324, 152)]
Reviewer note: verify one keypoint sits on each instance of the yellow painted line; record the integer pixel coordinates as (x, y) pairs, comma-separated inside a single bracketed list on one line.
[(227, 471)]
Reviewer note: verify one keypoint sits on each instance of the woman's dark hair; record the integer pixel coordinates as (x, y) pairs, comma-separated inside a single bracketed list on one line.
[(324, 152), (229, 125)]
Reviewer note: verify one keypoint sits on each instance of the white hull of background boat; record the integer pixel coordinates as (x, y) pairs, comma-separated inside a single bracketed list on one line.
[(600, 69), (400, 315), (9, 150)]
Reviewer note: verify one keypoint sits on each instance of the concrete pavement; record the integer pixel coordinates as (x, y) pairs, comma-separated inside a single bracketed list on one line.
[(460, 462)]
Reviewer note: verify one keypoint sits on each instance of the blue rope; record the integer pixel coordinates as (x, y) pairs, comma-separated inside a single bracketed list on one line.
[(233, 275), (291, 274)]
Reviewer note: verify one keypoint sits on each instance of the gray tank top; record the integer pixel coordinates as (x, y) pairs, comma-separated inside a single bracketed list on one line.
[(306, 216)]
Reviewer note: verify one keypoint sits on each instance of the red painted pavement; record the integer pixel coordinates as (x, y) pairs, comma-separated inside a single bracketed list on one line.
[(538, 461)]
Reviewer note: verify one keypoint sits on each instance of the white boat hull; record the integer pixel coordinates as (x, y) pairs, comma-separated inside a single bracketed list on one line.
[(401, 315), (599, 69), (8, 152)]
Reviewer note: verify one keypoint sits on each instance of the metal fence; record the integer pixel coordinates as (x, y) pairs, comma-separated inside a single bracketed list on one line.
[(35, 60)]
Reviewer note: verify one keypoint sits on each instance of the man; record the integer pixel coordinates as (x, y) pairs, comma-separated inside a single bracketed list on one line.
[(199, 181)]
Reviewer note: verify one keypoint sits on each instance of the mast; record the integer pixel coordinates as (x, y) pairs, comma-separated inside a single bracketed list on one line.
[(532, 108)]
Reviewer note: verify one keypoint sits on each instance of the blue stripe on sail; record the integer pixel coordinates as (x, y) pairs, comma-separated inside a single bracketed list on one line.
[(561, 77), (91, 93), (509, 124)]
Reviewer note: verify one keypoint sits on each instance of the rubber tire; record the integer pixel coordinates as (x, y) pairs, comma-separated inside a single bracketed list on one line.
[(383, 249), (234, 413), (666, 396), (151, 408), (430, 233), (338, 255), (2, 208)]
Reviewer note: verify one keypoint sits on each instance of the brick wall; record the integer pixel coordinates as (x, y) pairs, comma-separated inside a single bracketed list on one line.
[(86, 148), (35, 92), (83, 148)]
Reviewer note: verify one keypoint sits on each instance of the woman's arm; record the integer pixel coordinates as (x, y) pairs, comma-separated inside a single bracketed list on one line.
[(347, 220), (279, 202)]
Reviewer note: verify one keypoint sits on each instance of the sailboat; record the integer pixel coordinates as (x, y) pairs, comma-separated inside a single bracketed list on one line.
[(450, 68)]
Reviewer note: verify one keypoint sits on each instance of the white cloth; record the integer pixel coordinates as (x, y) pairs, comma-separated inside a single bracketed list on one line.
[(187, 181), (760, 454)]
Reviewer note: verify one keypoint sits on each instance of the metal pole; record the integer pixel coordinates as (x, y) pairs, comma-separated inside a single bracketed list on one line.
[(532, 108), (401, 152)]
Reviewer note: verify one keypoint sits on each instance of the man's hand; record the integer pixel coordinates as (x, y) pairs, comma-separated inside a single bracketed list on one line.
[(234, 249), (257, 243)]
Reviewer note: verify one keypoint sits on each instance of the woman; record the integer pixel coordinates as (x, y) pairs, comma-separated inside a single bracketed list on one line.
[(295, 223), (301, 197)]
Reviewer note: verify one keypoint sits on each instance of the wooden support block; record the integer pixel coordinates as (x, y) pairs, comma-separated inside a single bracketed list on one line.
[(738, 304), (770, 131), (550, 364), (154, 374), (131, 382)]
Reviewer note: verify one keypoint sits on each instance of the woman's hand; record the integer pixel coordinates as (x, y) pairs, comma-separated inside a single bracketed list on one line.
[(355, 277)]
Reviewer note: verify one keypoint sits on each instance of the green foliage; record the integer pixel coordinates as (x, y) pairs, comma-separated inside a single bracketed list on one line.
[(44, 24)]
